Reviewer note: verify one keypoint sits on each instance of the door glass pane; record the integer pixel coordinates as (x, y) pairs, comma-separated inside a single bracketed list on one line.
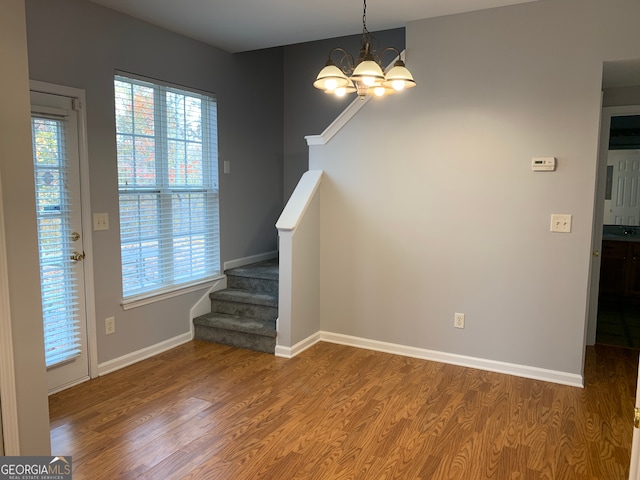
[(59, 289)]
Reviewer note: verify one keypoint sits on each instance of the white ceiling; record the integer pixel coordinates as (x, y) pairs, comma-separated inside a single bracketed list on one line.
[(242, 25)]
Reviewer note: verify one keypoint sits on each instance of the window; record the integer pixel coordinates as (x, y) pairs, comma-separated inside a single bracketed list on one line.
[(168, 186)]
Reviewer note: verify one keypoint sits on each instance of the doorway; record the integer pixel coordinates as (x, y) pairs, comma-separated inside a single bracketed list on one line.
[(64, 240), (614, 317), (620, 104)]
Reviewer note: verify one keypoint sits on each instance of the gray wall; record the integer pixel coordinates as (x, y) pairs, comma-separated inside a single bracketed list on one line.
[(621, 96), (79, 44), (307, 110), (18, 200), (443, 213)]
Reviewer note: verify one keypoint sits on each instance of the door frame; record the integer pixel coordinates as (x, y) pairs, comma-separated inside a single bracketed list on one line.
[(85, 200), (598, 212), (634, 463), (9, 405)]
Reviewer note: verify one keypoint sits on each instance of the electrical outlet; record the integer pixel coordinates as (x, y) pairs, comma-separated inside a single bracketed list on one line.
[(458, 320), (109, 325)]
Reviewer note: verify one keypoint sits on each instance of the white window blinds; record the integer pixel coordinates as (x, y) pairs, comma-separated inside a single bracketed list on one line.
[(168, 186), (53, 208)]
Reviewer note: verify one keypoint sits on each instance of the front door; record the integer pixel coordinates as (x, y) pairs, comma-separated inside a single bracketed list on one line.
[(54, 122)]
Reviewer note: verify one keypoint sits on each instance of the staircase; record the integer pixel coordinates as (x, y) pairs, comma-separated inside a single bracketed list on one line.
[(244, 314)]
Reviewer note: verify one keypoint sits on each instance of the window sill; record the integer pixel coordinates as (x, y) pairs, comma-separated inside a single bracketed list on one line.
[(146, 299)]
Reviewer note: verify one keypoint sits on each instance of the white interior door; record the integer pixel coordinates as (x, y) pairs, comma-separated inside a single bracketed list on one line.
[(625, 197), (54, 121)]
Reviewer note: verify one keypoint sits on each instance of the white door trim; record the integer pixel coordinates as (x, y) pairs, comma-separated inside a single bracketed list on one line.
[(9, 404), (85, 200)]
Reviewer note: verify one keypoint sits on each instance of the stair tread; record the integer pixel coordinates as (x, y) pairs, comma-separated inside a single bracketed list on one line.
[(267, 270), (245, 296), (266, 328)]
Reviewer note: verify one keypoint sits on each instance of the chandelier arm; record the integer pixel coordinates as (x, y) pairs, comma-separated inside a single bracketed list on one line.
[(394, 50), (344, 56)]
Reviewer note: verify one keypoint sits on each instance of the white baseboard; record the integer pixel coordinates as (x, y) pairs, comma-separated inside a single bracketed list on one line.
[(241, 262), (143, 354), (69, 385), (525, 371), (290, 352)]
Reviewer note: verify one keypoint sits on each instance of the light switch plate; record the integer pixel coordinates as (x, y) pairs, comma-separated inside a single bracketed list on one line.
[(100, 221), (561, 223)]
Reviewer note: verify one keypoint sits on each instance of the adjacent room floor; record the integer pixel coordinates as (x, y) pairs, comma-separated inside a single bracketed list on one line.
[(619, 322)]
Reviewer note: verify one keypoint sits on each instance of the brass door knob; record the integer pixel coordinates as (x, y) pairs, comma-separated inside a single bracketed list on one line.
[(77, 256)]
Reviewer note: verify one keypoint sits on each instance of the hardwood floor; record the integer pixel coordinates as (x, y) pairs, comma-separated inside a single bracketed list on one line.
[(206, 411)]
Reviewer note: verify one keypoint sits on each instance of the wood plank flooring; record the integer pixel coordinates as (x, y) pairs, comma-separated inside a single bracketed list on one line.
[(206, 411)]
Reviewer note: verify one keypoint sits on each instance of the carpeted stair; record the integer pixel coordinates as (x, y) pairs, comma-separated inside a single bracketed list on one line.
[(244, 314)]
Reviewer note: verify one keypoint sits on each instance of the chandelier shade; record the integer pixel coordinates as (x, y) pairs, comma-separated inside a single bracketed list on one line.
[(368, 72), (380, 90), (399, 77), (342, 91), (364, 76), (330, 78)]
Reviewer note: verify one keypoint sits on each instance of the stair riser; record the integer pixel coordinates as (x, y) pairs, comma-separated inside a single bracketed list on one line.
[(235, 339), (256, 285), (260, 312)]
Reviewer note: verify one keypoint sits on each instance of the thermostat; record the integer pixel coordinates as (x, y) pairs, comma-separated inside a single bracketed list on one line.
[(543, 164)]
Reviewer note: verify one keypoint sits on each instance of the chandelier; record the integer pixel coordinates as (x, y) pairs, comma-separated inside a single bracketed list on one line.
[(366, 75)]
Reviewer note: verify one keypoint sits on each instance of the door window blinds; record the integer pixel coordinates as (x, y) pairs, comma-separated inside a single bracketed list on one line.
[(53, 208)]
